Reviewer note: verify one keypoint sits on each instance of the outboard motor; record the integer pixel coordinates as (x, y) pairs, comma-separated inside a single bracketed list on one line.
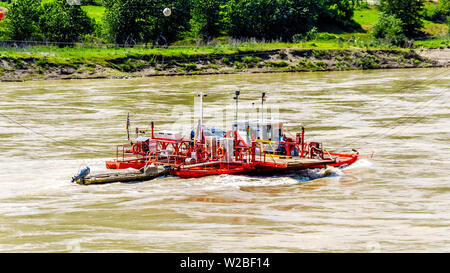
[(83, 173)]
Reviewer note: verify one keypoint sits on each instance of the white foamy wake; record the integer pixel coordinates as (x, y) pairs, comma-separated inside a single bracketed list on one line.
[(360, 163), (237, 181)]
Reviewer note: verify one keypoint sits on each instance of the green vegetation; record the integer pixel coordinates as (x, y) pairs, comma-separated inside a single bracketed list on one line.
[(206, 19), (64, 23), (390, 28), (408, 11), (70, 62), (338, 12), (313, 23), (366, 17), (129, 22), (22, 21), (5, 4), (94, 12), (437, 12), (267, 19), (129, 35), (29, 20), (434, 43)]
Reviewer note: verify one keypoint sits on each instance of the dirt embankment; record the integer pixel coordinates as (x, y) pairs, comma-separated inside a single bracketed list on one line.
[(440, 56), (283, 60)]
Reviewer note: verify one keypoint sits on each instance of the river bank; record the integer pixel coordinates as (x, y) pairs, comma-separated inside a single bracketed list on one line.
[(43, 67)]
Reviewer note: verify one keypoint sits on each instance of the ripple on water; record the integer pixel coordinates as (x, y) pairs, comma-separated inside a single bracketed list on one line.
[(395, 201)]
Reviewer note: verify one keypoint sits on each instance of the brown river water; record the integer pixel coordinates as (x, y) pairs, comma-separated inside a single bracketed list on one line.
[(397, 201)]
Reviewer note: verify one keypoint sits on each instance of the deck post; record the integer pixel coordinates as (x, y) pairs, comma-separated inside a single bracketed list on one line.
[(253, 151), (263, 94), (303, 140), (152, 125)]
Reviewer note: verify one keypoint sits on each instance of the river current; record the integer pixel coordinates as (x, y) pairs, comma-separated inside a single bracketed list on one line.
[(395, 201)]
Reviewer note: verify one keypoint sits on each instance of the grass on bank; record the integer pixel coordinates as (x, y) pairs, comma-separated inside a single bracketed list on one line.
[(98, 55), (367, 18), (95, 12), (81, 54), (443, 42), (221, 46)]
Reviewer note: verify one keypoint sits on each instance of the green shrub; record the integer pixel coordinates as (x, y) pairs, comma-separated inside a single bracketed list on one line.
[(127, 22), (311, 34), (238, 65), (42, 62), (21, 24), (437, 12), (297, 38), (389, 28), (270, 19), (368, 61), (251, 59), (409, 12), (326, 36), (226, 60), (337, 12), (190, 67), (277, 64), (320, 52), (124, 67), (302, 62), (205, 18), (62, 22), (321, 64)]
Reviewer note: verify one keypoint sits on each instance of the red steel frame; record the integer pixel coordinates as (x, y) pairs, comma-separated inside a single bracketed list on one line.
[(245, 158)]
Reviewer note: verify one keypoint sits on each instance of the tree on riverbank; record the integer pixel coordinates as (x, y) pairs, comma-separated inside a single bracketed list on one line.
[(55, 21), (64, 23), (207, 18), (337, 12), (22, 22), (390, 29), (268, 19), (410, 12), (130, 22)]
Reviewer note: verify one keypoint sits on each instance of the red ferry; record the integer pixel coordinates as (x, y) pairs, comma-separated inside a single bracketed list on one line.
[(251, 147)]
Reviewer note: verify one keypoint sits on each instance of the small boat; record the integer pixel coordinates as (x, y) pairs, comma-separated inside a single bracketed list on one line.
[(144, 174)]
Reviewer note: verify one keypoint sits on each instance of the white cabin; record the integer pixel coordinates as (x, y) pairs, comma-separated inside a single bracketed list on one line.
[(255, 129)]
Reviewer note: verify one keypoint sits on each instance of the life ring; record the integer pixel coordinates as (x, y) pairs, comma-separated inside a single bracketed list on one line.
[(149, 156), (136, 149), (220, 152)]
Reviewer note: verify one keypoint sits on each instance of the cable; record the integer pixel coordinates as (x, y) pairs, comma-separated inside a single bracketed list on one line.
[(386, 104), (45, 136), (406, 117)]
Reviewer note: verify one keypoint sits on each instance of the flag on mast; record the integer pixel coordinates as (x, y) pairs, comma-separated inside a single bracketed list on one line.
[(128, 124)]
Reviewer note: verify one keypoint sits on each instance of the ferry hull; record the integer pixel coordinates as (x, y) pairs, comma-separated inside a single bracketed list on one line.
[(262, 168)]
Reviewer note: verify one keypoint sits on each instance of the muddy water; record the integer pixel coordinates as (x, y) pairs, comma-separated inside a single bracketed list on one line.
[(396, 201)]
